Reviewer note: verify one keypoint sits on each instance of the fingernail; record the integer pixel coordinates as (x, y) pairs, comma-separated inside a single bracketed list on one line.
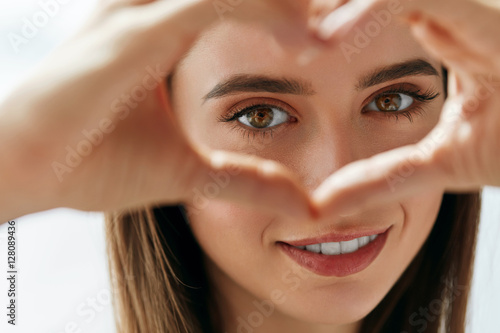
[(335, 20)]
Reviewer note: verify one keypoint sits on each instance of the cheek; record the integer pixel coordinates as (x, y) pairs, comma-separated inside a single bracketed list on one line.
[(405, 241), (421, 213), (231, 237), (222, 224)]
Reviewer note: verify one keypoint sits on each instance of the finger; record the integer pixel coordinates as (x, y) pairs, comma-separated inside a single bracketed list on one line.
[(250, 181), (319, 9), (164, 30), (478, 31), (440, 43), (114, 4), (383, 178), (359, 12), (132, 49)]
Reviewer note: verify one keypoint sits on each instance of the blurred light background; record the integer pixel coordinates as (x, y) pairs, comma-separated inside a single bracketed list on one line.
[(63, 279)]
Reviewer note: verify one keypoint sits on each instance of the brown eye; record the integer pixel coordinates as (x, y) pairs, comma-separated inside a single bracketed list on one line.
[(260, 118), (390, 102), (264, 116)]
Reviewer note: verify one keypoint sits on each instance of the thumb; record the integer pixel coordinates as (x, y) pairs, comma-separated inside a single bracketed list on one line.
[(251, 181), (473, 55), (383, 178)]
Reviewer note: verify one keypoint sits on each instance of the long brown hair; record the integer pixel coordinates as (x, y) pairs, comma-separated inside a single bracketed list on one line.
[(160, 285)]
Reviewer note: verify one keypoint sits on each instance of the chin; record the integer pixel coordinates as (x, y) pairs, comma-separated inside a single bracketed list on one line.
[(339, 304)]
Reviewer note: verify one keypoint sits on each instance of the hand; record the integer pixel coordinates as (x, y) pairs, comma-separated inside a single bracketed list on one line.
[(462, 152), (92, 129)]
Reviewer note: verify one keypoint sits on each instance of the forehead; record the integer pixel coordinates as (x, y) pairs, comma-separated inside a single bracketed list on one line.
[(243, 48)]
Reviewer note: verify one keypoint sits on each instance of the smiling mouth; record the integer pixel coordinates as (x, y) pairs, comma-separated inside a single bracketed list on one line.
[(336, 255)]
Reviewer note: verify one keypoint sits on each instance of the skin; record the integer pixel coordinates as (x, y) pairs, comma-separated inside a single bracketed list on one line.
[(243, 260), (112, 52)]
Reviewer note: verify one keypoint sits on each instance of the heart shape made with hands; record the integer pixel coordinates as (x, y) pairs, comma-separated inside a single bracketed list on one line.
[(459, 154), (463, 153)]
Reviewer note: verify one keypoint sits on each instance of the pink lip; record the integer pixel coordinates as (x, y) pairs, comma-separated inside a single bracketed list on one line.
[(336, 265), (336, 237)]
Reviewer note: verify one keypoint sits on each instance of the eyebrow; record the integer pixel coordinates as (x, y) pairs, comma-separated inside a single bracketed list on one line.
[(388, 73), (260, 83)]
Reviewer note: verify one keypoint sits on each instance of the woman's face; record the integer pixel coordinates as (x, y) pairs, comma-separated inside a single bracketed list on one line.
[(314, 112)]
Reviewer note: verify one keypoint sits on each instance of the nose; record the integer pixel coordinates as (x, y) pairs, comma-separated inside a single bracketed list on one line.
[(333, 145)]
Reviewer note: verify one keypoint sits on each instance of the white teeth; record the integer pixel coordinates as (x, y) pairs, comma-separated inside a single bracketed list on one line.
[(316, 248), (335, 248), (330, 248), (349, 246), (362, 241)]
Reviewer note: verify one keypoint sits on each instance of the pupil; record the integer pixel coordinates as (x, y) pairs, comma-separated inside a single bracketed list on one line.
[(389, 102), (260, 118)]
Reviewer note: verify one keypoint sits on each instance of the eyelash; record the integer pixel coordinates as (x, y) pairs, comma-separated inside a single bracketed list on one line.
[(416, 94)]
